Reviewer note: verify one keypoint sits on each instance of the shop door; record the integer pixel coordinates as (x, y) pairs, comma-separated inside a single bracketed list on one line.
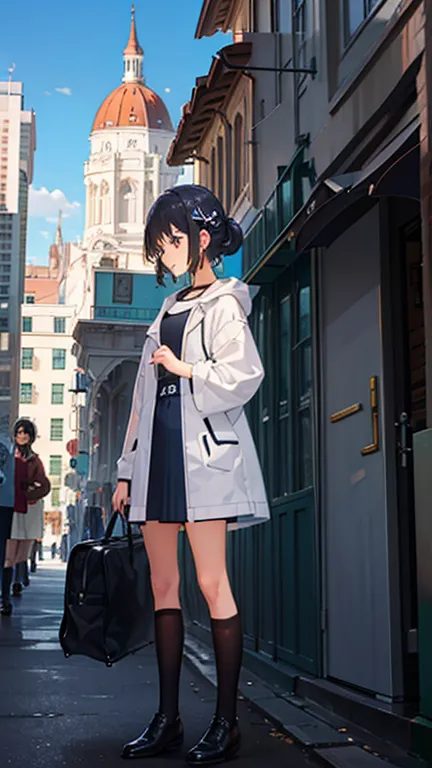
[(353, 488)]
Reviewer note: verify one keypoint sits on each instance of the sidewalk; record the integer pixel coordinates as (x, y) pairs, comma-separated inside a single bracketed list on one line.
[(75, 712)]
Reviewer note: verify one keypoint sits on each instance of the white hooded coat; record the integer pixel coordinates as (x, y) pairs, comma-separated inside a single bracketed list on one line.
[(223, 477)]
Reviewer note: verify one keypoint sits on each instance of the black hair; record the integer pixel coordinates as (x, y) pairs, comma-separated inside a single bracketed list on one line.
[(27, 426), (190, 208)]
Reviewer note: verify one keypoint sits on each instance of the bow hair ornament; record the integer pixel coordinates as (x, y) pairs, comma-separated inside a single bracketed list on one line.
[(212, 219)]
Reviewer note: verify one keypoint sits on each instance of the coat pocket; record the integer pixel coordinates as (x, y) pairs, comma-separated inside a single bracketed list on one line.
[(219, 443)]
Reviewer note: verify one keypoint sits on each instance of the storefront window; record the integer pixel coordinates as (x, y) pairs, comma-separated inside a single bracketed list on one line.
[(281, 413), (284, 397), (304, 387)]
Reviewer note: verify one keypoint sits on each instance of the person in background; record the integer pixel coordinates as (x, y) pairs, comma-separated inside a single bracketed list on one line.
[(33, 552), (31, 486), (7, 462)]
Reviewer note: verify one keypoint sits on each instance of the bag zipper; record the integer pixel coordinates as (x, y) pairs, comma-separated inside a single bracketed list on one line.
[(81, 594)]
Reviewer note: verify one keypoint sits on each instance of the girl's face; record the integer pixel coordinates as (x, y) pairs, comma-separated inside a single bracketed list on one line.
[(175, 252), (22, 438)]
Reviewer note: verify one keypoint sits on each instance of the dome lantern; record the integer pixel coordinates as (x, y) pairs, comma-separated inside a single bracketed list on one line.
[(133, 56)]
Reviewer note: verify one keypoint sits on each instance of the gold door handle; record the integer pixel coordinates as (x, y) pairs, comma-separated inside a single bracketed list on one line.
[(374, 446)]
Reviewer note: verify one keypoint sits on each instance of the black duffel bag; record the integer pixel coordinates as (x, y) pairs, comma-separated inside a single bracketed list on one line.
[(108, 611)]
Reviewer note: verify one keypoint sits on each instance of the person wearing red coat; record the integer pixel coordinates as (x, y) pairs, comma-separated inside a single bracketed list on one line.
[(31, 486)]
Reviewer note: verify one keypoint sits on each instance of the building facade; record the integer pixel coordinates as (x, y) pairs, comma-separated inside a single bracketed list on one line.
[(47, 376), (17, 147), (47, 381), (333, 591)]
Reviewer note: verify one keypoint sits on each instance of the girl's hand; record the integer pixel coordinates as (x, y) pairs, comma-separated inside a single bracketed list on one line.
[(120, 498), (166, 357)]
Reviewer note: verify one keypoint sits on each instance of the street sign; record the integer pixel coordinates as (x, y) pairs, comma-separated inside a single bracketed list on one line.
[(73, 463), (72, 447)]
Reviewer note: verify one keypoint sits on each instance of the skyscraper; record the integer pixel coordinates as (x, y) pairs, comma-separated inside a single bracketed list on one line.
[(17, 147)]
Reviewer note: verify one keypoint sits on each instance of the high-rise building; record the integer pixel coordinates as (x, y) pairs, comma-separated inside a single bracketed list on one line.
[(17, 147)]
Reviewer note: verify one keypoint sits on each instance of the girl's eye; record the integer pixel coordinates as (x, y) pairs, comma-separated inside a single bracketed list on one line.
[(175, 241)]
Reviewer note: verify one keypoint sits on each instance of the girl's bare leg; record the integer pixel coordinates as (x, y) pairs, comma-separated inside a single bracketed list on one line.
[(208, 544), (161, 543), (12, 549)]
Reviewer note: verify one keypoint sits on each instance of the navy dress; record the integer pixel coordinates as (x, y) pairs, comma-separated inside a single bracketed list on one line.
[(166, 495)]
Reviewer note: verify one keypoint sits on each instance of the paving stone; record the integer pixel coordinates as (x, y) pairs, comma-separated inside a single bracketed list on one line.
[(351, 757)]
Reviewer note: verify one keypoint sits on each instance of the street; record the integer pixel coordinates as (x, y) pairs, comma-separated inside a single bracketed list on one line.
[(69, 712)]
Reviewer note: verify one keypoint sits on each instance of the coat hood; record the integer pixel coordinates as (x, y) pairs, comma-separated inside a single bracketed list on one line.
[(229, 286)]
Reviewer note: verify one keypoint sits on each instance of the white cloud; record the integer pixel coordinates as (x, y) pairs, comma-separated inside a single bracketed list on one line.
[(167, 90), (47, 204), (54, 219), (45, 235), (64, 91)]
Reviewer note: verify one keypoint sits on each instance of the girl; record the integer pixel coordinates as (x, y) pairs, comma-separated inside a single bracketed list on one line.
[(189, 457), (31, 485)]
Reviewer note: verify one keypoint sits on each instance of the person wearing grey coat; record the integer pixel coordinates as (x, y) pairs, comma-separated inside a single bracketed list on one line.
[(188, 456)]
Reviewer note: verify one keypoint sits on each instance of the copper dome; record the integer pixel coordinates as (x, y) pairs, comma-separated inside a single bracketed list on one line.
[(132, 104)]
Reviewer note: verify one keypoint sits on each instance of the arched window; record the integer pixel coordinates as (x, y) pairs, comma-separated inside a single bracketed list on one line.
[(213, 170), (105, 203), (220, 169), (149, 194), (92, 195), (127, 211), (238, 155)]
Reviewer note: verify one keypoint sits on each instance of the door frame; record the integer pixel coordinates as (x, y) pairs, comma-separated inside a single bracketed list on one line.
[(395, 361)]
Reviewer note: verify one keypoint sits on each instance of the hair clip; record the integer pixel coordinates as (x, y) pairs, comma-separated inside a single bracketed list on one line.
[(212, 219)]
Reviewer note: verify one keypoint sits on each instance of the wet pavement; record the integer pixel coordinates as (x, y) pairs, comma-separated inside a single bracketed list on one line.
[(76, 712)]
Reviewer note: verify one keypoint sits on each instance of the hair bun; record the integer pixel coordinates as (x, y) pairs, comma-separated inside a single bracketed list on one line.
[(233, 238)]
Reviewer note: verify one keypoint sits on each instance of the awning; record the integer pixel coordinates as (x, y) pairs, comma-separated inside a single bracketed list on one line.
[(336, 203), (391, 163), (208, 98)]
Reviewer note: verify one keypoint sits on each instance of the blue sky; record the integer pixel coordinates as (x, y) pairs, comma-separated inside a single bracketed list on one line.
[(69, 56)]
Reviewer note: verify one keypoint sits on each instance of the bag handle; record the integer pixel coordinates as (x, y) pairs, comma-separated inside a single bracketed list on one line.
[(127, 531)]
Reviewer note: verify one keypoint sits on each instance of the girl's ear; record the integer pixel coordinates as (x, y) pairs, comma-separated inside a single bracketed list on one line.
[(205, 239)]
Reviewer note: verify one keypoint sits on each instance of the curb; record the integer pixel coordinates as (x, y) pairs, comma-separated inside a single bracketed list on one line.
[(326, 736)]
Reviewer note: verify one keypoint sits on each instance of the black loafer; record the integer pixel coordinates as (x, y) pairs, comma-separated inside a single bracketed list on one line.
[(160, 736), (220, 743), (17, 589)]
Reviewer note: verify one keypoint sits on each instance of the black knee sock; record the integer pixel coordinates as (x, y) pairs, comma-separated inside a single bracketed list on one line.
[(6, 584), (169, 635), (19, 573), (228, 647)]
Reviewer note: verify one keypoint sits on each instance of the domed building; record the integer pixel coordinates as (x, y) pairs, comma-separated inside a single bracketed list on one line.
[(126, 170)]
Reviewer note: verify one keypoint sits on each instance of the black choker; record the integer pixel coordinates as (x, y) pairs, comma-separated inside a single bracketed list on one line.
[(182, 296)]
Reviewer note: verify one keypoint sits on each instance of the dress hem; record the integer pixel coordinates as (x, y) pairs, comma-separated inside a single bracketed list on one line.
[(244, 515)]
